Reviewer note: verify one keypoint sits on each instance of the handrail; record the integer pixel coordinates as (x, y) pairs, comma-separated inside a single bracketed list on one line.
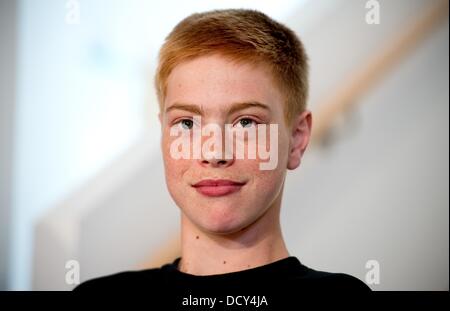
[(346, 95)]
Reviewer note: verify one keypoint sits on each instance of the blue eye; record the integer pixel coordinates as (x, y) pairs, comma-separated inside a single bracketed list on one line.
[(186, 124), (246, 122)]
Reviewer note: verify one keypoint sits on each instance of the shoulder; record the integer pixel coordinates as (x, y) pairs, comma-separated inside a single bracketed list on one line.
[(330, 281), (123, 281)]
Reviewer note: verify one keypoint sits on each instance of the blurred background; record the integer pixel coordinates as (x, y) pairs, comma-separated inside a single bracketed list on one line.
[(81, 175)]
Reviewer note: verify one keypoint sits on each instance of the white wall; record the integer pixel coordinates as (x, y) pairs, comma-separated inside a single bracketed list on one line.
[(8, 31), (81, 102)]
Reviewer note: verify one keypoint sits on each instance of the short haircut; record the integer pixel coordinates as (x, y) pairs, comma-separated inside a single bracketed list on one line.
[(245, 36)]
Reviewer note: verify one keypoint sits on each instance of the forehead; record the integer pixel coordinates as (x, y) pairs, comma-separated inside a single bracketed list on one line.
[(216, 82)]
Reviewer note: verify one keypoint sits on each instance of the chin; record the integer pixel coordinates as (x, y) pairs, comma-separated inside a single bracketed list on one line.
[(218, 226), (215, 223), (222, 230), (221, 218), (224, 225)]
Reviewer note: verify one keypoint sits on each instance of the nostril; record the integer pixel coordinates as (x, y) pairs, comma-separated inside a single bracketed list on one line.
[(215, 162)]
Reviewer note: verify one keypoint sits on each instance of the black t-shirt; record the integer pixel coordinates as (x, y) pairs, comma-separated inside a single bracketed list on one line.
[(283, 281)]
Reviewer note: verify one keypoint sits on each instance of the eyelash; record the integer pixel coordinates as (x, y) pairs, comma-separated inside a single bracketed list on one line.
[(248, 118), (178, 122)]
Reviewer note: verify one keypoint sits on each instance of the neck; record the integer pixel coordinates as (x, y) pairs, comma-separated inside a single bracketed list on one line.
[(205, 253)]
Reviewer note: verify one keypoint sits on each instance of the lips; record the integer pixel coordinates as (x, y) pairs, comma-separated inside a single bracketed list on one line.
[(217, 187)]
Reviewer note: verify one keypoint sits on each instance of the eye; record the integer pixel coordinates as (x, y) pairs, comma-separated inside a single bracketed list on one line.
[(246, 122), (186, 124)]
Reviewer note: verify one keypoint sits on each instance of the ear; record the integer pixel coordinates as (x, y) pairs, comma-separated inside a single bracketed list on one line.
[(300, 136)]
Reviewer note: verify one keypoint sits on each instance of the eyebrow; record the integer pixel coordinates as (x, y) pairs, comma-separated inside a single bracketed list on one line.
[(234, 108), (186, 107), (241, 106)]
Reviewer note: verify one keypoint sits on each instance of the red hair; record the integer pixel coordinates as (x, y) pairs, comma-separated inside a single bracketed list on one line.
[(244, 36)]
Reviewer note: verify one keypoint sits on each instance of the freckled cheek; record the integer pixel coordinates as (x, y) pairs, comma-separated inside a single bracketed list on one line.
[(176, 179), (266, 179), (175, 168), (270, 178)]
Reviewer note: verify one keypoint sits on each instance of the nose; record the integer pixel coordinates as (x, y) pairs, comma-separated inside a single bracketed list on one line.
[(216, 162), (217, 158), (215, 151)]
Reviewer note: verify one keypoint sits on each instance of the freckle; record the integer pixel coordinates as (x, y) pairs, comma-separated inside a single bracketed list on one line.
[(197, 237), (224, 262), (248, 266)]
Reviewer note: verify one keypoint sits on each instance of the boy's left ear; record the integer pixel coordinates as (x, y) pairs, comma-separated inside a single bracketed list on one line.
[(299, 139)]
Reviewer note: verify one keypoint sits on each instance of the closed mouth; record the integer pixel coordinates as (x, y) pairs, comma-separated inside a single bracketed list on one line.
[(217, 187)]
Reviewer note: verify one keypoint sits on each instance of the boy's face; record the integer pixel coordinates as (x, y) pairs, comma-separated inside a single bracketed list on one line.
[(213, 87)]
